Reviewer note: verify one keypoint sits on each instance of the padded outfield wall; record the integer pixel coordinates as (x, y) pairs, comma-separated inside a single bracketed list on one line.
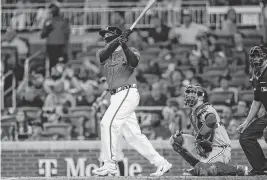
[(79, 158)]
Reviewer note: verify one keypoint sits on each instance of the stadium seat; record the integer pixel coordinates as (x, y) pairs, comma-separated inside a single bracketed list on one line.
[(211, 76), (31, 112), (61, 129), (81, 111), (222, 98), (239, 80), (237, 70)]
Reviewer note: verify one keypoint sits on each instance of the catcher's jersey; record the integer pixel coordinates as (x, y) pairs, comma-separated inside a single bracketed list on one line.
[(117, 71), (219, 136)]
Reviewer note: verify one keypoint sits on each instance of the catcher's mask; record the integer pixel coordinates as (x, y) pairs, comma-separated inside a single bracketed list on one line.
[(112, 33), (257, 55), (192, 93)]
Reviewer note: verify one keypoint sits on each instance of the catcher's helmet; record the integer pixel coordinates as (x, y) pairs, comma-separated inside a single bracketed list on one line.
[(257, 55), (192, 93)]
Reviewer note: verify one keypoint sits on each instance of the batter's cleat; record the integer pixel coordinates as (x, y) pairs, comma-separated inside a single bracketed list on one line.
[(242, 170), (162, 169), (105, 171)]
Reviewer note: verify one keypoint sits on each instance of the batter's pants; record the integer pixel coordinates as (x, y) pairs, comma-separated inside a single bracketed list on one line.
[(218, 154), (120, 118), (250, 145)]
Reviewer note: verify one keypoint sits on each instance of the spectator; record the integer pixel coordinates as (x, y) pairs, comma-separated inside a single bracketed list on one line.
[(153, 68), (56, 30), (186, 34), (224, 86), (155, 98), (196, 81), (20, 130), (31, 91), (189, 75), (174, 117), (159, 33), (54, 117), (229, 25), (234, 123), (220, 60), (227, 116), (59, 97), (11, 38), (241, 109), (184, 59), (239, 53), (60, 72), (18, 21), (176, 83)]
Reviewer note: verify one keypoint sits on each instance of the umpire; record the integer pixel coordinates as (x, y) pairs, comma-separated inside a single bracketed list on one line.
[(252, 129)]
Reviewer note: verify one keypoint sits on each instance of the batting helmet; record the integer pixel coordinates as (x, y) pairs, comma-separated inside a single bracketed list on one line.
[(115, 31)]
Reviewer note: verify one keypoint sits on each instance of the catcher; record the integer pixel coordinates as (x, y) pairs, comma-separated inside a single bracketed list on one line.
[(210, 144)]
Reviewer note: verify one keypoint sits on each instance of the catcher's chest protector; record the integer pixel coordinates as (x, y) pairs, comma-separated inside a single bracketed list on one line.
[(219, 136)]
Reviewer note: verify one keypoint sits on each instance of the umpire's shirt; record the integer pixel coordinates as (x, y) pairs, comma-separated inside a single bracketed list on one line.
[(260, 88)]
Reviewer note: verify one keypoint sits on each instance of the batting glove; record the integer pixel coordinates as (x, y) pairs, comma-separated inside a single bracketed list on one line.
[(127, 32)]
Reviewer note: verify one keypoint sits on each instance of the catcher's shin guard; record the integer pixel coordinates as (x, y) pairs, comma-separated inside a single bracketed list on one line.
[(185, 154), (219, 169)]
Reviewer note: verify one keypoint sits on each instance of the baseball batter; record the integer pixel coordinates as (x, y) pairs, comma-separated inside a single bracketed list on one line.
[(118, 62), (211, 142)]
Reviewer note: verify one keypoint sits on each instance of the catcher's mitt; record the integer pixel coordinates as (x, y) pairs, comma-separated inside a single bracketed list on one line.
[(177, 141), (203, 147)]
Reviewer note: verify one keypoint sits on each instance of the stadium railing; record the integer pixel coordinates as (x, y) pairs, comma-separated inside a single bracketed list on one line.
[(31, 58), (12, 89), (95, 16), (246, 16)]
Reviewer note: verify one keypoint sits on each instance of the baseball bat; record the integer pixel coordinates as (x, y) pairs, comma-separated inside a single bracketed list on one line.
[(148, 6)]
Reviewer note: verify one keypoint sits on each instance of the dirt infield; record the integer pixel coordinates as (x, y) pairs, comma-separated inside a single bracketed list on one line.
[(145, 178)]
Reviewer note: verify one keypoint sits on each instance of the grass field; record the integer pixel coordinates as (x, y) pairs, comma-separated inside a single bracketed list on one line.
[(145, 178)]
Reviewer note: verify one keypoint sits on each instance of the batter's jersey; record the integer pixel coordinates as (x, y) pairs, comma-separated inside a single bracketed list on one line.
[(219, 136), (117, 69)]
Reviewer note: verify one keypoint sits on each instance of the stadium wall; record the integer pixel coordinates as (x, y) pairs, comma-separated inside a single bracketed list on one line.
[(79, 158)]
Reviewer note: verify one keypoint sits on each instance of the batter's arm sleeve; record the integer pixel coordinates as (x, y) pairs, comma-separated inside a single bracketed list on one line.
[(132, 56), (107, 51), (208, 125)]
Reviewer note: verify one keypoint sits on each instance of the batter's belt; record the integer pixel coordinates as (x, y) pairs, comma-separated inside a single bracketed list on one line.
[(114, 91)]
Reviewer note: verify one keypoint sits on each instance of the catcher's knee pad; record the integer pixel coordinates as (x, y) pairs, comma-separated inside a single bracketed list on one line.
[(265, 134)]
